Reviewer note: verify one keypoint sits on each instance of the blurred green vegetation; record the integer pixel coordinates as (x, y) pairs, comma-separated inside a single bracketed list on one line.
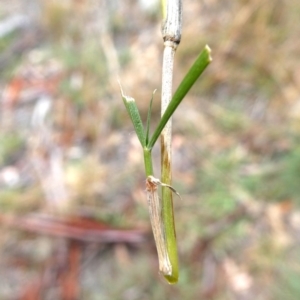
[(10, 143)]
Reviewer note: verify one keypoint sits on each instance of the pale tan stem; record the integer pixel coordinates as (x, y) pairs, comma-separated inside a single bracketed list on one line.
[(167, 78), (154, 206), (171, 33)]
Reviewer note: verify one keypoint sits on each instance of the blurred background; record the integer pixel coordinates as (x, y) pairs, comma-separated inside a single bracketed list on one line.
[(73, 214)]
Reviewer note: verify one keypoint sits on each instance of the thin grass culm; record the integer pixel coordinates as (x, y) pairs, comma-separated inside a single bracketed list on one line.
[(171, 33), (154, 205), (161, 210)]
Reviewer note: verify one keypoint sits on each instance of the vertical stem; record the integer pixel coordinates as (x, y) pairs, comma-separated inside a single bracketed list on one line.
[(155, 214), (148, 161), (166, 171), (171, 34)]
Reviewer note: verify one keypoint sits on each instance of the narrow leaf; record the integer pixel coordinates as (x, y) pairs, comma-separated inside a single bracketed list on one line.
[(135, 117), (190, 78), (149, 118)]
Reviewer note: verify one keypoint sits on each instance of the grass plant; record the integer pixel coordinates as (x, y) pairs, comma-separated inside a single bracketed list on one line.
[(161, 214)]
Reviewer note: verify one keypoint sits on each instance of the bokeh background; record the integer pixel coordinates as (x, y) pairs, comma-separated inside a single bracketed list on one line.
[(74, 220)]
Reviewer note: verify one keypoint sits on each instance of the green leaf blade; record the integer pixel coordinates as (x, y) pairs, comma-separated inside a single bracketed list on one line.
[(135, 117), (149, 118), (188, 81)]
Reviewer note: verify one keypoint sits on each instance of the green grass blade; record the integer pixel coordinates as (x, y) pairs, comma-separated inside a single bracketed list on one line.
[(135, 117), (193, 74), (149, 117)]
